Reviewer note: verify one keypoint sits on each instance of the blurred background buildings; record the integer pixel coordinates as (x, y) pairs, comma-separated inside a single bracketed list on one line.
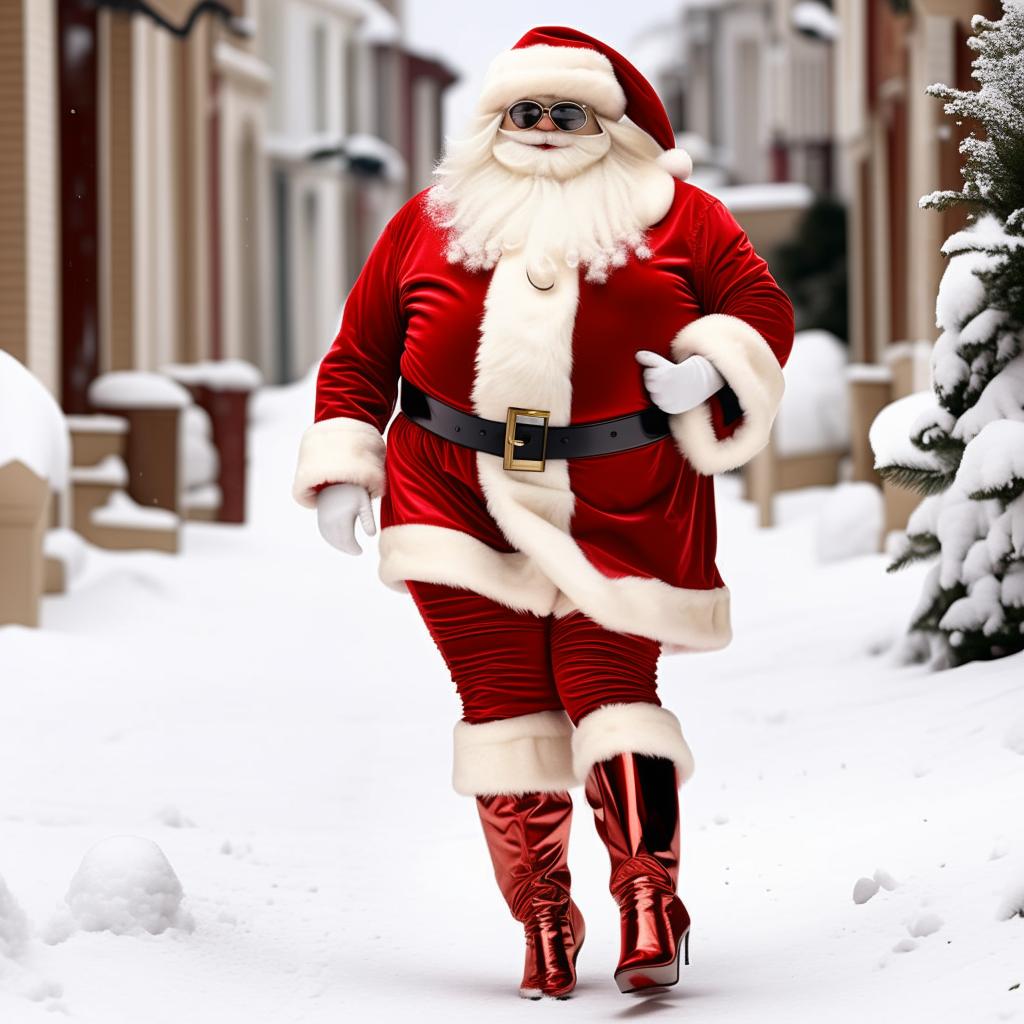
[(194, 184)]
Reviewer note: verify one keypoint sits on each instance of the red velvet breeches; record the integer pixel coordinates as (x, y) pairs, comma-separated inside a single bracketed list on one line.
[(506, 663)]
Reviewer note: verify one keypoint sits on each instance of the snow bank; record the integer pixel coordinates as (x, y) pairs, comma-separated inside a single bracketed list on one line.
[(68, 547), (32, 426), (137, 389), (850, 521), (815, 412), (122, 511), (127, 886), (13, 926)]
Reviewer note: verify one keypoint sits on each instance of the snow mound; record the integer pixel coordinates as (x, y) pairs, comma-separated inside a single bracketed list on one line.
[(32, 425), (127, 886), (13, 926), (814, 414), (850, 521)]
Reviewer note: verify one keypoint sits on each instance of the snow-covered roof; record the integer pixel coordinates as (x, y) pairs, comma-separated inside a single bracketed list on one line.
[(769, 195), (32, 426), (359, 149), (378, 25), (815, 18), (217, 374)]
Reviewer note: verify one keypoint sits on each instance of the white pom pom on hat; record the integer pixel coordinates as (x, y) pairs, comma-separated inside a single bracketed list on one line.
[(555, 60)]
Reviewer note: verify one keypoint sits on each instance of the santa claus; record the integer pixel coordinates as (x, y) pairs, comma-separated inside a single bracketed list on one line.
[(583, 339)]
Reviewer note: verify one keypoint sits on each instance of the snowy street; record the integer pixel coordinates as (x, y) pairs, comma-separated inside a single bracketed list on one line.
[(279, 724)]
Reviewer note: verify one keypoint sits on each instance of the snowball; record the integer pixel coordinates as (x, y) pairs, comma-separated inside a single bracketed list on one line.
[(864, 889), (13, 925), (850, 521), (884, 879), (126, 885)]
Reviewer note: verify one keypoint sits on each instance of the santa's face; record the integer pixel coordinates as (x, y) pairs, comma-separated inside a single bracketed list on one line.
[(547, 151)]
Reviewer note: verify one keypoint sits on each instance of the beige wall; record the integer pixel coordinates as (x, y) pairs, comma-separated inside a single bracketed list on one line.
[(29, 164)]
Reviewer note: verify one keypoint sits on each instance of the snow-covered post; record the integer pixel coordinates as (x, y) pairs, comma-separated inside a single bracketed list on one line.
[(965, 447), (34, 455), (222, 388), (153, 405)]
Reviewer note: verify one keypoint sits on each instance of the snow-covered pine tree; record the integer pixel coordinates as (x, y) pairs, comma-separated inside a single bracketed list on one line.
[(967, 452)]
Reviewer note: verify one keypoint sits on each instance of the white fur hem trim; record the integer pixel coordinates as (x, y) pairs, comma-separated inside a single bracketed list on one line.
[(525, 754), (571, 72), (436, 554), (630, 729), (342, 450), (683, 620), (749, 366)]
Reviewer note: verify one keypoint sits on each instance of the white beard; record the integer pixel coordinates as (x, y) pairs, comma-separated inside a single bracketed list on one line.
[(586, 203)]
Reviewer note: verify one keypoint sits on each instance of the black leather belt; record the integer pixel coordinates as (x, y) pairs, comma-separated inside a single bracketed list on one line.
[(524, 440)]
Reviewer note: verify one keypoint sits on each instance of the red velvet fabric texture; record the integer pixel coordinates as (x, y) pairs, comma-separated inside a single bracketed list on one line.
[(506, 663), (645, 512)]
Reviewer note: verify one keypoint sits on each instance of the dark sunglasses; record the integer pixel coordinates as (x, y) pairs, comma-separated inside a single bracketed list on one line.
[(565, 115)]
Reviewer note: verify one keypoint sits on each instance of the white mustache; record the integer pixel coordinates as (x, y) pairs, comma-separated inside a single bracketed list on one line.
[(537, 137)]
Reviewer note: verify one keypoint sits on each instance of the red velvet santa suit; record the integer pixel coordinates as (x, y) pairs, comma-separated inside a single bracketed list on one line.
[(629, 538)]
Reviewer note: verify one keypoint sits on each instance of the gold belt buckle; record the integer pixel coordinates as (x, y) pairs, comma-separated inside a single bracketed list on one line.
[(534, 416)]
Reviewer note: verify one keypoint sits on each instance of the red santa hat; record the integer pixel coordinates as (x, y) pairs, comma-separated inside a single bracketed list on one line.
[(556, 61)]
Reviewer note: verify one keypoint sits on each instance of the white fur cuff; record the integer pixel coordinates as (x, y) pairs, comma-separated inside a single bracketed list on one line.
[(342, 450), (630, 729), (572, 72), (748, 364), (525, 754)]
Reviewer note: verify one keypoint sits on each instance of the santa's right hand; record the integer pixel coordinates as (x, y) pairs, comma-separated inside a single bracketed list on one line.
[(337, 508)]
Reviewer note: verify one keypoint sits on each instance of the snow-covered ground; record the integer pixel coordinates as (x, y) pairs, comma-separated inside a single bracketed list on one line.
[(279, 724)]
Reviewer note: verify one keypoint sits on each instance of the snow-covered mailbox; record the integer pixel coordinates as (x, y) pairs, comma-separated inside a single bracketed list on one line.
[(33, 462), (221, 388), (811, 433), (134, 447)]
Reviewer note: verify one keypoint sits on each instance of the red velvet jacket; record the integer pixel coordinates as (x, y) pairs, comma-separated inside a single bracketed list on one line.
[(628, 537)]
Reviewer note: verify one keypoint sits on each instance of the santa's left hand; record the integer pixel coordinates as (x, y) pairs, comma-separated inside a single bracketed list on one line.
[(676, 387)]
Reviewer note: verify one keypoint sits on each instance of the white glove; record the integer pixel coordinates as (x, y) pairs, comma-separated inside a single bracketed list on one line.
[(676, 387), (336, 509)]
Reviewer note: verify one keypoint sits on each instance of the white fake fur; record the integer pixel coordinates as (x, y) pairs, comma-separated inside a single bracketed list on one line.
[(525, 754), (748, 364), (525, 355), (437, 554), (677, 162), (630, 729), (573, 72), (342, 450)]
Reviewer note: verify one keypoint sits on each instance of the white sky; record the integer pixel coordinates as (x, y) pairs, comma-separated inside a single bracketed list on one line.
[(467, 34)]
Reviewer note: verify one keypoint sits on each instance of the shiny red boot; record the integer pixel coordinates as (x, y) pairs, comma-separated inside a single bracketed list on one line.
[(636, 808), (528, 838)]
